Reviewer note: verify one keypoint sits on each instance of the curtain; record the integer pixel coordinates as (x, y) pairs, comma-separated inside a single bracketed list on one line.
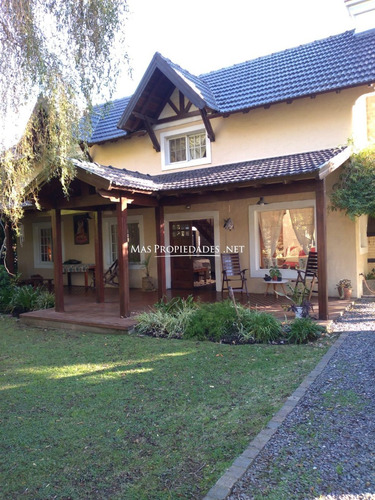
[(303, 225), (270, 227)]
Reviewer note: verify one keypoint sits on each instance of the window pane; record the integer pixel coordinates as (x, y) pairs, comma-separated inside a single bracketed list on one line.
[(113, 242), (197, 146), (46, 245), (134, 241), (286, 237), (177, 149)]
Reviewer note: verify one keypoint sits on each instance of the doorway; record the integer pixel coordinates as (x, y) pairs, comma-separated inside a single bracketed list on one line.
[(192, 259)]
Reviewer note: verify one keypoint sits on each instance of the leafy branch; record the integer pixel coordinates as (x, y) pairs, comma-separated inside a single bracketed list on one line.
[(355, 191)]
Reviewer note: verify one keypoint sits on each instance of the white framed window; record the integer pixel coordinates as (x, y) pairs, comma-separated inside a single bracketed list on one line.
[(135, 240), (43, 245), (184, 148), (281, 235)]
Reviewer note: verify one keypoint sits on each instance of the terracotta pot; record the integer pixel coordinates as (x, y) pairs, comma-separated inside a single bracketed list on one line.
[(274, 278), (347, 293)]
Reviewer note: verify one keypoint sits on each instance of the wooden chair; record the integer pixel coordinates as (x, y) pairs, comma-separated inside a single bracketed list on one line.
[(309, 276), (111, 276), (231, 269)]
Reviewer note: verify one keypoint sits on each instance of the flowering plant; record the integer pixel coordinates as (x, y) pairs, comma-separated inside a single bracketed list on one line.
[(344, 283)]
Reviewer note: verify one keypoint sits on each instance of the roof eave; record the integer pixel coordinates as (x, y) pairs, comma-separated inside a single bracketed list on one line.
[(158, 62)]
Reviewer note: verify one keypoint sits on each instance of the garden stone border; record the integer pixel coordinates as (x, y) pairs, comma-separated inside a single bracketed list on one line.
[(223, 487)]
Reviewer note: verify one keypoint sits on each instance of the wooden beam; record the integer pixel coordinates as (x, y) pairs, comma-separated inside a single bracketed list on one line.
[(57, 260), (160, 241), (99, 274), (114, 195), (172, 105), (181, 101), (144, 117), (207, 124), (280, 189), (123, 257), (321, 233), (152, 135)]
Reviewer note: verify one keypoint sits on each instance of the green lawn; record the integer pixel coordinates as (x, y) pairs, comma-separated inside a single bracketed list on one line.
[(87, 416)]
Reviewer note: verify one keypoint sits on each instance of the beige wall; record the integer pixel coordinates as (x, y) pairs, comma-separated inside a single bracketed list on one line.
[(304, 125), (84, 253), (344, 258)]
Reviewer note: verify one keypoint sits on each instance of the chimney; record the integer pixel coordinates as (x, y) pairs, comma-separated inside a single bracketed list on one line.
[(363, 13)]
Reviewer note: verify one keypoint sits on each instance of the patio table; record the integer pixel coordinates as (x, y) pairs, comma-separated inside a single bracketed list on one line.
[(275, 283), (78, 268)]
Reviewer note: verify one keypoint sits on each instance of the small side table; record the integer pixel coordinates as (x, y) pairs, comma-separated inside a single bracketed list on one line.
[(275, 283)]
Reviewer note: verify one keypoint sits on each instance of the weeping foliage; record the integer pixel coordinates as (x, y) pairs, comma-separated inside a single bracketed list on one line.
[(66, 52), (355, 191)]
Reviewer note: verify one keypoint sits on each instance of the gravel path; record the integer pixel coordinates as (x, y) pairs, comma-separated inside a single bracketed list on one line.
[(325, 449)]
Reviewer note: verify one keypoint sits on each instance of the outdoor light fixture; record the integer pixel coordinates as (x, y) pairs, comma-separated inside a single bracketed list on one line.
[(261, 201), (228, 224)]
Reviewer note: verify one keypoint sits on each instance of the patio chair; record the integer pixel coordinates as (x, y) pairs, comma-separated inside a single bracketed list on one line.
[(111, 276), (231, 269), (309, 276)]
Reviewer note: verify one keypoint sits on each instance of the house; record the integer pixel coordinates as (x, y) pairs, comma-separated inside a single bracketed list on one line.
[(241, 159)]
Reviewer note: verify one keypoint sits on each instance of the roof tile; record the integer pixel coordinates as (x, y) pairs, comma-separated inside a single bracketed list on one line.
[(246, 171)]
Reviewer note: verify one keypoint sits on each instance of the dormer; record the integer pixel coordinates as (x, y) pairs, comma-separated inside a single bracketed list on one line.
[(162, 80)]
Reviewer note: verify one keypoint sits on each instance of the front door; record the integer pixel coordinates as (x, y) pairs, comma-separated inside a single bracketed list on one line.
[(181, 265)]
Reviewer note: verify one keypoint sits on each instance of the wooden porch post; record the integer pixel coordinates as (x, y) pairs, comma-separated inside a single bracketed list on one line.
[(57, 259), (9, 253), (160, 241), (321, 232), (99, 278), (123, 259)]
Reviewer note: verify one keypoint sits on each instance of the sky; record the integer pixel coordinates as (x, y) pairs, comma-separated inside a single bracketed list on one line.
[(204, 35)]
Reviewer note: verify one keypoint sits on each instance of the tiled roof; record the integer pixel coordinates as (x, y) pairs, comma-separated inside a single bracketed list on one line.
[(340, 61), (234, 173), (105, 120), (337, 62)]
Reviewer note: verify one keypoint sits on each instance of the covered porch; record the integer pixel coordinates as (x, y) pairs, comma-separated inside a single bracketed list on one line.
[(83, 313)]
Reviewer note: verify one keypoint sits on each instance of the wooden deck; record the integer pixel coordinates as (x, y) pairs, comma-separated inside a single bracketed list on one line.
[(83, 313)]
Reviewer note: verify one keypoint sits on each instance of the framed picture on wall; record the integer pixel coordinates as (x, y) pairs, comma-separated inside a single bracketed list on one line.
[(81, 229)]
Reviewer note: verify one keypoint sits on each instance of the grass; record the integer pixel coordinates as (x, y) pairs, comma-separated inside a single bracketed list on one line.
[(124, 417)]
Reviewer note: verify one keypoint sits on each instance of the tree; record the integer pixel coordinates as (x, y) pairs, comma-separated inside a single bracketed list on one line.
[(63, 52), (355, 191)]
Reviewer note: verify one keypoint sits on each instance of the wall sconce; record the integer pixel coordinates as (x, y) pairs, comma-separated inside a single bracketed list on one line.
[(188, 207), (261, 201), (228, 224)]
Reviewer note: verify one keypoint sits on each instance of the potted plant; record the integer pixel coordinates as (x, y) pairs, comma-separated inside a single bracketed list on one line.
[(147, 283), (301, 306), (369, 282), (344, 287), (275, 273)]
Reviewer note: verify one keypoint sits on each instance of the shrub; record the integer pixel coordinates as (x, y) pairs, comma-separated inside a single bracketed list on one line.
[(6, 287), (261, 327), (302, 330), (217, 321), (23, 299), (45, 300), (167, 319), (26, 298)]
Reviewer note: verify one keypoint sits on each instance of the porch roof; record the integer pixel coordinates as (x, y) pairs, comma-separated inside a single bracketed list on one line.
[(281, 167)]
